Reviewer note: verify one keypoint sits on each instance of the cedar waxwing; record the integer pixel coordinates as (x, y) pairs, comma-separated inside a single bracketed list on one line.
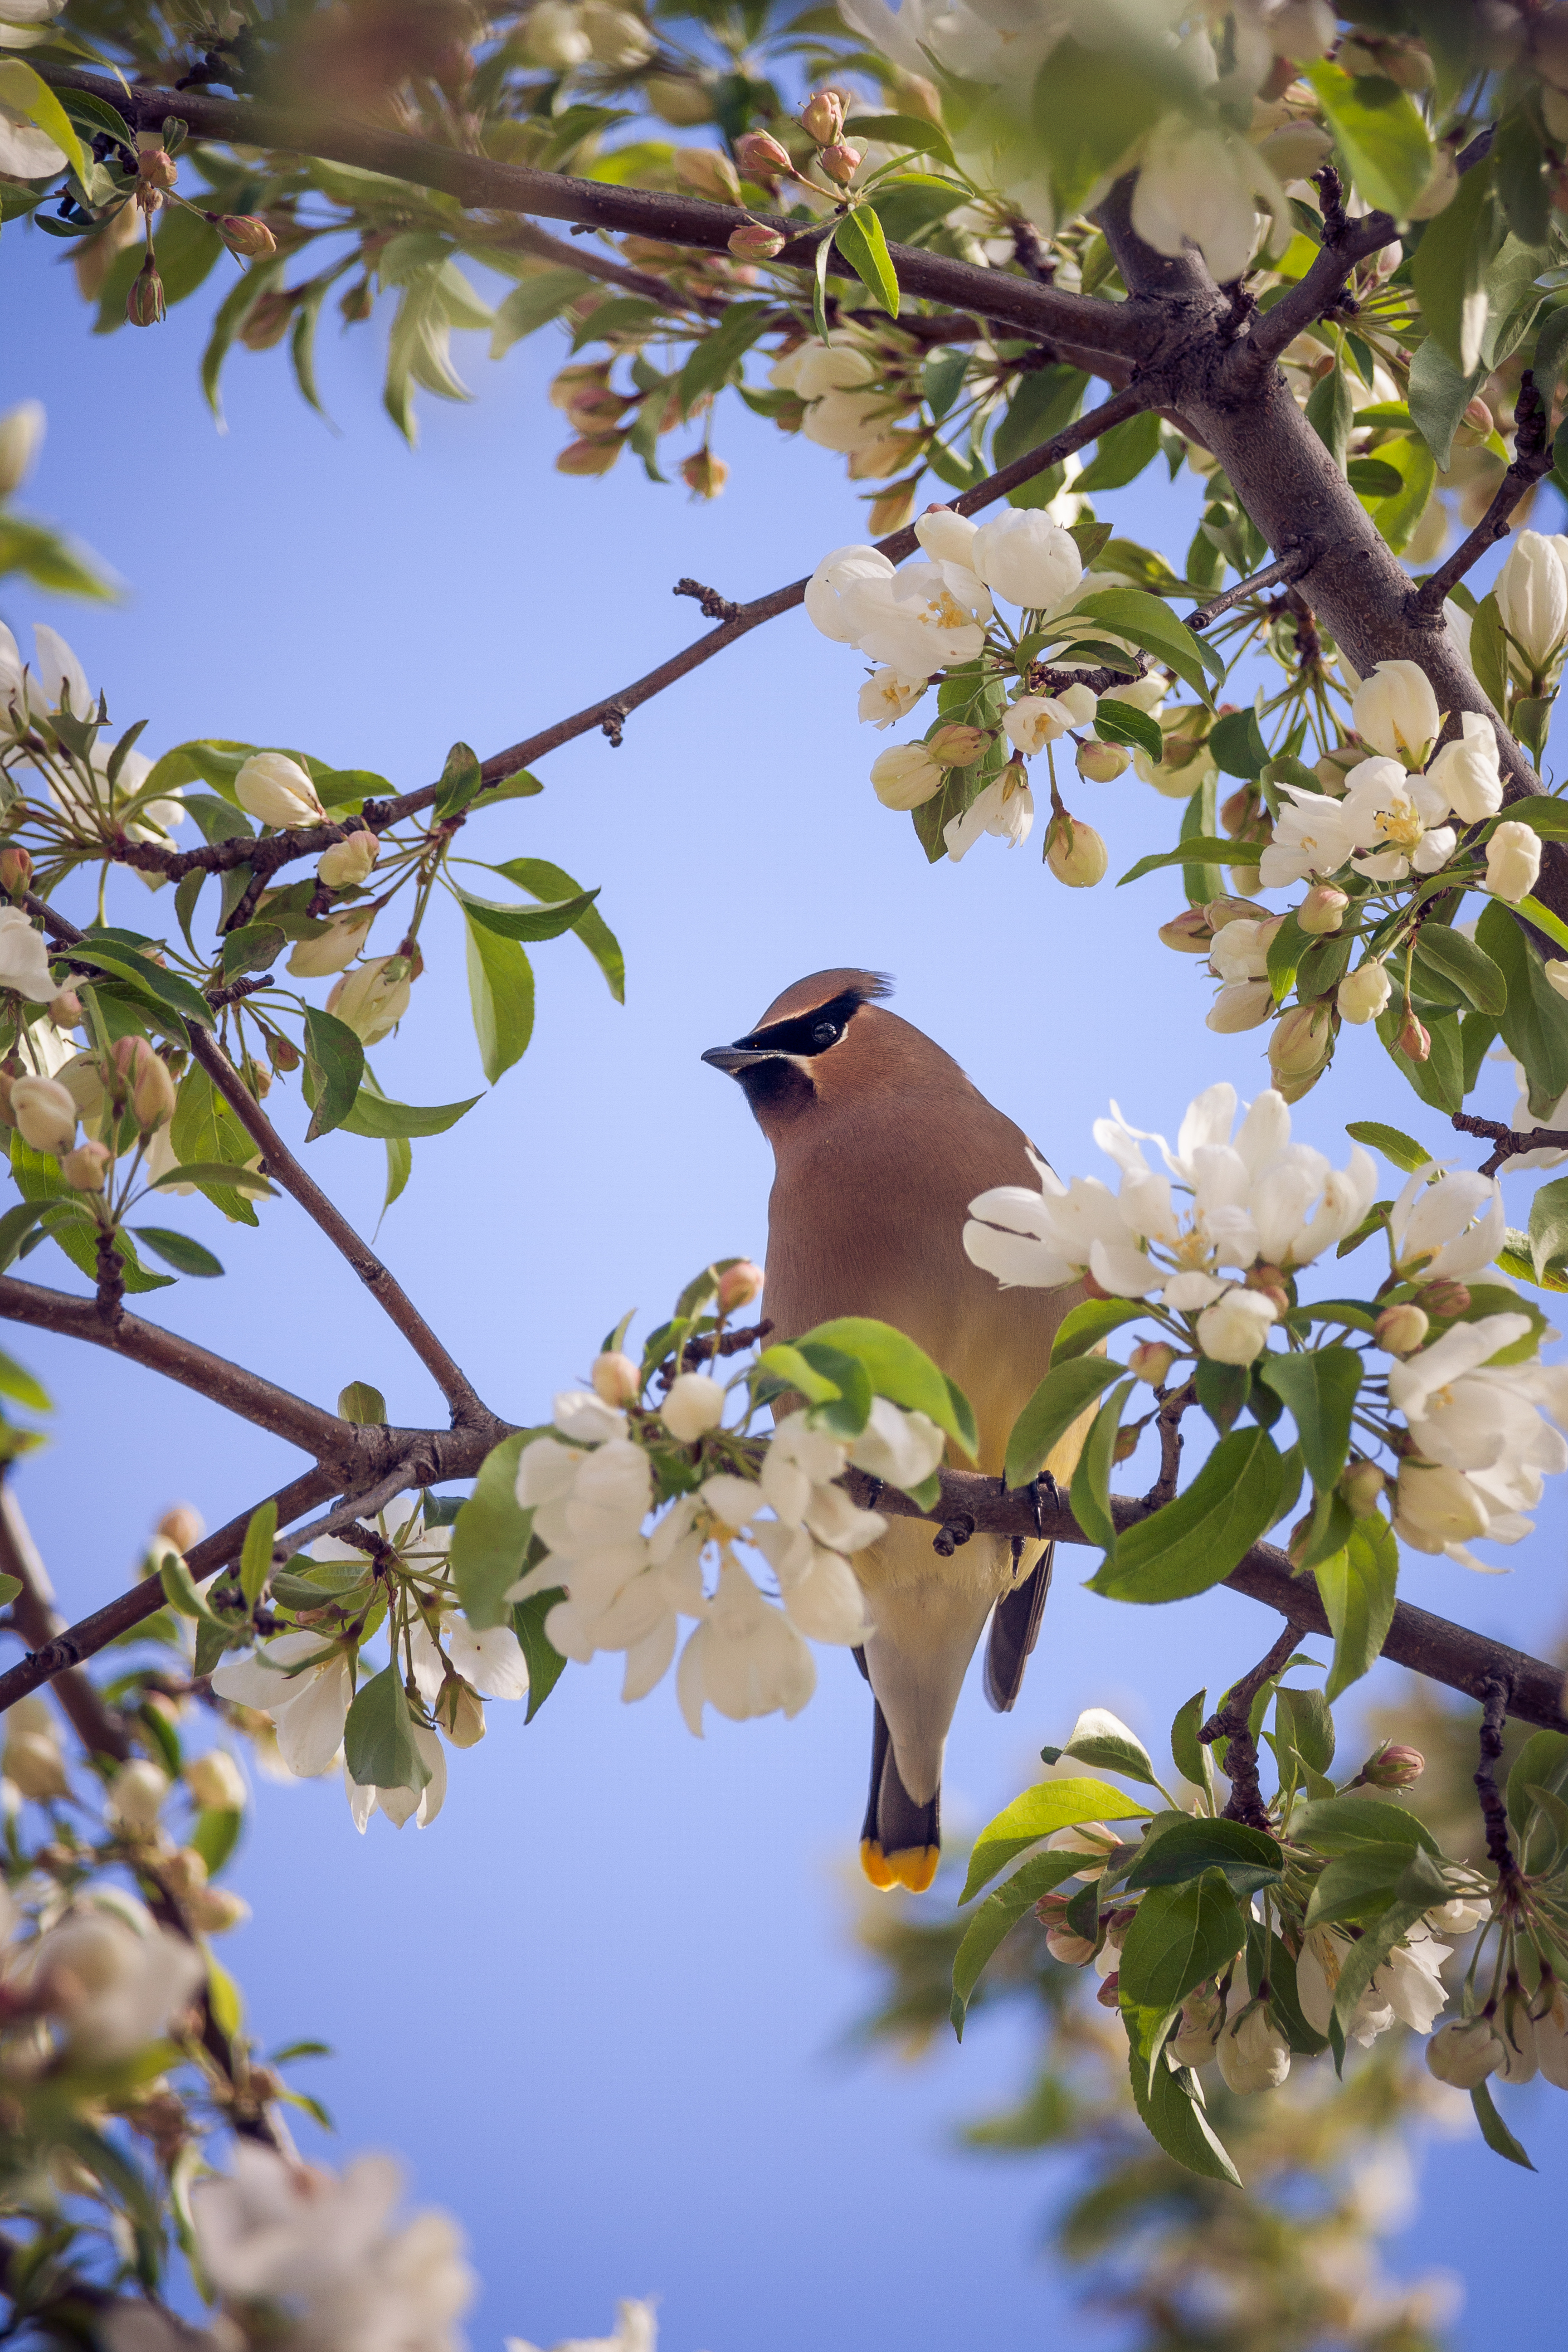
[(880, 1143)]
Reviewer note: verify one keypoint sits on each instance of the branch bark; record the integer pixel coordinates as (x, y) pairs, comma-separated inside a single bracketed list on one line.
[(98, 1726), (1018, 303)]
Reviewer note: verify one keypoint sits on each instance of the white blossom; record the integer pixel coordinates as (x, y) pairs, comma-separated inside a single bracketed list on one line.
[(1398, 818), (114, 1986), (1204, 186), (1004, 807), (278, 790), (947, 536), (1235, 1327), (1253, 2053), (1513, 861), (23, 958), (1312, 837), (308, 1706), (1450, 1230), (1027, 558), (924, 618), (1466, 772), (1395, 713), (886, 698), (744, 1658), (694, 1405), (902, 1448), (637, 2330), (826, 588), (1036, 720), (1531, 592)]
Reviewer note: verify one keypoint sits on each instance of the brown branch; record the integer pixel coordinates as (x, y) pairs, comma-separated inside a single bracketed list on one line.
[(388, 1292), (378, 816), (1345, 242), (1494, 1698), (1532, 462), (1431, 1646), (1509, 1139), (1233, 1724), (1289, 567), (98, 1726), (315, 1431), (1015, 302)]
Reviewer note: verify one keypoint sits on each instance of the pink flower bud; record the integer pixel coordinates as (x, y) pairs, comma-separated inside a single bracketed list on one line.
[(1323, 909), (1109, 1993), (763, 156), (1151, 1360), (65, 1011), (1073, 1951), (157, 167), (754, 242), (1400, 1331), (1076, 852), (16, 869), (151, 1087), (1413, 1041), (703, 474), (822, 116), (247, 234), (184, 1526), (146, 306), (1189, 933), (840, 161), (1446, 1298), (589, 456), (739, 1284), (956, 747), (1393, 1766), (84, 1169), (707, 174), (617, 1380)]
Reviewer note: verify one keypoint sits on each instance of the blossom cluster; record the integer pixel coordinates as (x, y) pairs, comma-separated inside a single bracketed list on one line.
[(590, 1488), (1213, 1240)]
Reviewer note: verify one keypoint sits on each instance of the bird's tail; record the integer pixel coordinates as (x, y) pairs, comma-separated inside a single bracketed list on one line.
[(900, 1840)]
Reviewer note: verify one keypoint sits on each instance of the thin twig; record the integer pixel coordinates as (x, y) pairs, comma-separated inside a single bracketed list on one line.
[(1346, 242), (1494, 1698), (1289, 567), (1532, 462), (99, 1726), (1172, 1408), (367, 1501), (1509, 1139), (1233, 1724)]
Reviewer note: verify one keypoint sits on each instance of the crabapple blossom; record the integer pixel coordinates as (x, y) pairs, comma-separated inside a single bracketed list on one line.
[(1396, 711)]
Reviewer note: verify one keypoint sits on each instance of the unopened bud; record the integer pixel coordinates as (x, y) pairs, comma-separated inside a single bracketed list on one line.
[(617, 1380), (1400, 1331), (1479, 416), (157, 168), (1271, 1282), (1073, 1951), (1075, 853), (822, 116), (840, 161), (1189, 933), (211, 1909), (1221, 911), (1109, 1993), (1102, 763), (43, 1113), (753, 242), (1362, 1487), (1393, 1768), (182, 1525), (84, 1167), (248, 234), (144, 305), (348, 863), (956, 747), (1126, 1444), (739, 1284), (1323, 909), (1151, 1360), (16, 869), (357, 303), (1243, 816), (215, 1780), (1413, 1041), (707, 174), (704, 474), (21, 437), (589, 456), (65, 1010), (762, 156), (1446, 1298), (151, 1087), (1298, 1048)]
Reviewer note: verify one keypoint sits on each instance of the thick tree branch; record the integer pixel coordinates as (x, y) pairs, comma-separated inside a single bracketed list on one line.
[(1014, 302), (1428, 1645), (315, 1431), (1532, 462)]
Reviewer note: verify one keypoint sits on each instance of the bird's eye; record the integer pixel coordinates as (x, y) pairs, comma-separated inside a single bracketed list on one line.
[(825, 1033)]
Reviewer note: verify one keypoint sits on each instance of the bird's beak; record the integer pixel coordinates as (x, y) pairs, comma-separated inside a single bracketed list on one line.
[(734, 1059)]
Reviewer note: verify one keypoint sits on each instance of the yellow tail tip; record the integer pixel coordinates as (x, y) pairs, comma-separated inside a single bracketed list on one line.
[(914, 1867)]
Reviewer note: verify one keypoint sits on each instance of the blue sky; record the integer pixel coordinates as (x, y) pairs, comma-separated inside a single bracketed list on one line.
[(597, 2005)]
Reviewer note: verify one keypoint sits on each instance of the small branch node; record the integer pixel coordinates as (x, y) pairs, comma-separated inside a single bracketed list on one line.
[(714, 606), (1293, 566), (1494, 1691), (1233, 1724), (951, 1533)]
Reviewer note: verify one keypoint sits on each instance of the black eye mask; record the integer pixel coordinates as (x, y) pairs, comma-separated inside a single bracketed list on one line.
[(809, 1034)]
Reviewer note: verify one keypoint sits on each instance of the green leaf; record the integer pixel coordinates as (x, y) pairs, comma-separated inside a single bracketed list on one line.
[(997, 1915), (461, 778), (1047, 401), (214, 1834), (361, 1405), (500, 991), (1331, 413), (1400, 1150), (211, 1146), (532, 305), (1090, 1493), (28, 94), (902, 131), (1248, 1858), (1542, 1762), (530, 923), (1121, 454), (180, 1589), (215, 1171), (18, 1383), (1395, 488), (378, 1736), (1341, 1824), (1381, 135), (1170, 2115), (545, 1663), (1356, 1586), (178, 1250), (163, 989), (377, 1116), (1084, 1325), (1494, 2131), (1439, 395), (1449, 268), (1212, 849), (1438, 1081), (1358, 1885), (1319, 1391), (1066, 1391), (1113, 1749), (1237, 744), (490, 1536), (1489, 653), (1088, 113), (1180, 1936), (1440, 948), (38, 1179), (335, 1063), (1145, 621), (1197, 1540), (900, 1371), (1302, 1718), (1049, 1805), (541, 880), (863, 246), (256, 1556), (721, 355), (1116, 721), (1192, 1759), (1536, 1024)]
